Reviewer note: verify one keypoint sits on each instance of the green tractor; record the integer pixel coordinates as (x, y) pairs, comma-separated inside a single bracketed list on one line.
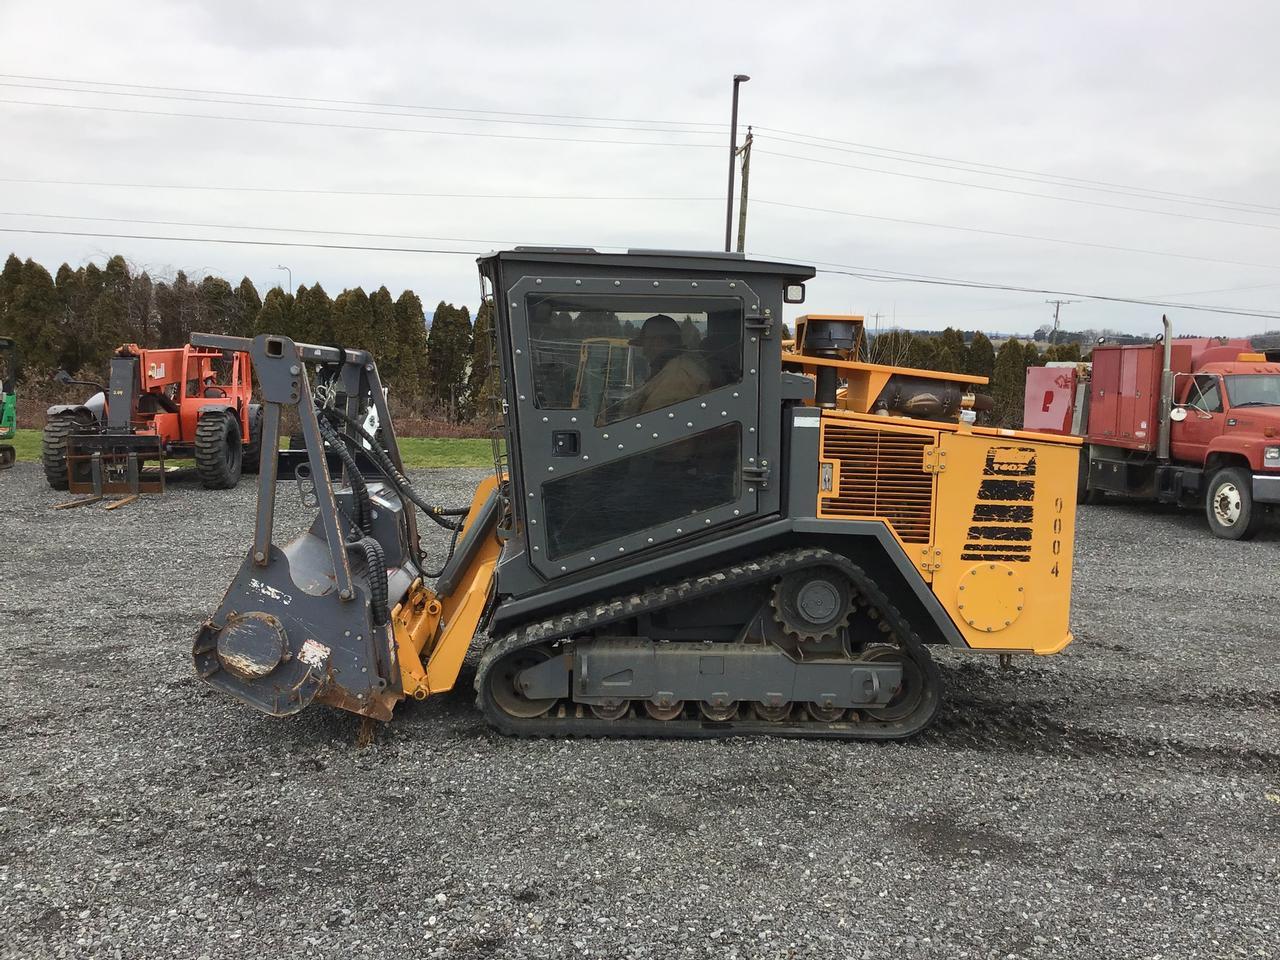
[(8, 402)]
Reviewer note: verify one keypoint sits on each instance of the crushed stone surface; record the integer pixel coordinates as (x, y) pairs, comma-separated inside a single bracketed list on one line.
[(1119, 800)]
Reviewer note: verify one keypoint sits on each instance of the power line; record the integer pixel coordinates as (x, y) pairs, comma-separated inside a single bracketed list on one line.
[(257, 229), (1021, 236), (1016, 236), (371, 113), (352, 193), (1033, 176), (1019, 193), (601, 198), (350, 126), (246, 243), (880, 275), (862, 273), (888, 153), (363, 103)]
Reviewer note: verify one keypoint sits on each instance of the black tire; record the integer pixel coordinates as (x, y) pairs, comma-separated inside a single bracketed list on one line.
[(53, 449), (1083, 492), (219, 453), (1229, 506), (253, 449)]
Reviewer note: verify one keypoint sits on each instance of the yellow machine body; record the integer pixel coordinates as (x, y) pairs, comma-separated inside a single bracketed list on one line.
[(986, 515)]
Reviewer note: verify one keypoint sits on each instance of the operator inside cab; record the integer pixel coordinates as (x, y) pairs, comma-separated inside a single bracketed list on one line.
[(677, 371)]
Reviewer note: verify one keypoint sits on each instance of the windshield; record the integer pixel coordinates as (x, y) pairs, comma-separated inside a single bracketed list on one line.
[(1254, 390)]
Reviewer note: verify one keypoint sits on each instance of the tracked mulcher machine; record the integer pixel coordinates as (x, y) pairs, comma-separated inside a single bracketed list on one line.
[(751, 540)]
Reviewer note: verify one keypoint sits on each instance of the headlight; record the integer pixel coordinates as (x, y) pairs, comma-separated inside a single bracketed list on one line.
[(1271, 456)]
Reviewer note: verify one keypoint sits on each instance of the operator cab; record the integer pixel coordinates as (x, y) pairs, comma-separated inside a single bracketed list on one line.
[(641, 394)]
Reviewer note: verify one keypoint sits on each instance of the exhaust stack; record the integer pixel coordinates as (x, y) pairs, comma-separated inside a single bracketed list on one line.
[(1166, 391)]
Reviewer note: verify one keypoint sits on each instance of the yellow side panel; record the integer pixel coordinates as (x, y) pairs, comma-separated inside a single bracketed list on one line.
[(1005, 526), (434, 633)]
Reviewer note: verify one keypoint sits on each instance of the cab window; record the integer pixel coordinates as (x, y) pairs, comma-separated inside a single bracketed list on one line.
[(615, 357), (1205, 394)]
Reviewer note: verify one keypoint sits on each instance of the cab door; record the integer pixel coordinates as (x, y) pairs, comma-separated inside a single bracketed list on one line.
[(637, 413), (1189, 439)]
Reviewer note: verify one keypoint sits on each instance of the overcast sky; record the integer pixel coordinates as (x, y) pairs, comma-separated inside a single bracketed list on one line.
[(1142, 100)]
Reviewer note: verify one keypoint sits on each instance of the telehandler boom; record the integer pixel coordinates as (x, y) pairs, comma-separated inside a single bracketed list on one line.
[(751, 540)]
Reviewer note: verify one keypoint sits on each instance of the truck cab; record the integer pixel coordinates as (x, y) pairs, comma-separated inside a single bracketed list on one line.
[(1226, 420)]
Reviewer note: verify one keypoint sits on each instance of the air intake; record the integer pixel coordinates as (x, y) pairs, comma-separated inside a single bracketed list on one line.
[(881, 477)]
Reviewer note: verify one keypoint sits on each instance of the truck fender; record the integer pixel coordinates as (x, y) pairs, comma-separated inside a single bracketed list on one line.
[(95, 408), (1223, 453)]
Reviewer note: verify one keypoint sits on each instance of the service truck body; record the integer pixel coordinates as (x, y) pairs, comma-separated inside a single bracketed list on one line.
[(1188, 421)]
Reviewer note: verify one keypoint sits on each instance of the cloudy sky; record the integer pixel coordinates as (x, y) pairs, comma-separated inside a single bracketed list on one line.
[(1122, 149)]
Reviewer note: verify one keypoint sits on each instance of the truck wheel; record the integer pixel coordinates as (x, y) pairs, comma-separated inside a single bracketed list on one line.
[(219, 453), (253, 449), (53, 449), (1083, 493), (1229, 505)]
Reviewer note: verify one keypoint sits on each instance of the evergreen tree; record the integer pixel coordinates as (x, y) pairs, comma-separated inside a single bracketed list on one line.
[(982, 357), (921, 352), (448, 353), (410, 333), (140, 310), (248, 303), (944, 358), (353, 319), (484, 386), (30, 313), (178, 310), (1009, 383), (276, 315), (388, 351), (217, 305), (313, 317), (953, 352)]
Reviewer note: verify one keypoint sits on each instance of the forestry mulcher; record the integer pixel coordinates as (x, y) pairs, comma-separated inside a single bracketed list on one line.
[(750, 538)]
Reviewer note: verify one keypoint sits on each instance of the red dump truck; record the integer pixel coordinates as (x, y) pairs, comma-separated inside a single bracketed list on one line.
[(1194, 422)]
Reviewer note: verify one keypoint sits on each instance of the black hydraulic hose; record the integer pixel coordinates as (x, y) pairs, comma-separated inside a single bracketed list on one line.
[(359, 489), (376, 561), (382, 459)]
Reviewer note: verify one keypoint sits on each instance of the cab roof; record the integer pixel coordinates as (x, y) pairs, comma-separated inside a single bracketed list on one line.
[(703, 261)]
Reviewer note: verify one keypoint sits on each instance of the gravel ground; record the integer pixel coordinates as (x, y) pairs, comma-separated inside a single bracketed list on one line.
[(1120, 800)]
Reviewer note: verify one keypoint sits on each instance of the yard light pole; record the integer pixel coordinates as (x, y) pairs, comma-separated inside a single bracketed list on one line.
[(281, 266), (738, 78)]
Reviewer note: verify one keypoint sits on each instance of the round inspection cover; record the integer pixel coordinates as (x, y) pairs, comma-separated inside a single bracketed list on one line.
[(252, 645), (991, 596)]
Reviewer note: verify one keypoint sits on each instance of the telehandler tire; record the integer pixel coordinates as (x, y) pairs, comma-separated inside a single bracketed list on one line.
[(252, 460), (53, 449), (1229, 506), (219, 452)]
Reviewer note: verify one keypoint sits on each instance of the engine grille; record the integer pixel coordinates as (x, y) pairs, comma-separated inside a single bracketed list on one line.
[(881, 477)]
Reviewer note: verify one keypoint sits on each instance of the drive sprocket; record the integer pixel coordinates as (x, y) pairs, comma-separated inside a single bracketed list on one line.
[(813, 604)]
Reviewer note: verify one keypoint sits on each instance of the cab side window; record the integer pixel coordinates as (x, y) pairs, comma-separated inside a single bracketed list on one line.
[(1205, 394), (615, 357)]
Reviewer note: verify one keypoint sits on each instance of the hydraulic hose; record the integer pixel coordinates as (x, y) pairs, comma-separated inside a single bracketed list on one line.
[(375, 560), (383, 461), (359, 489)]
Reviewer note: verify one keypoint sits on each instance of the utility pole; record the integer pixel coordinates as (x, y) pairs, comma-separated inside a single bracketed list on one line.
[(738, 78), (1057, 307), (742, 202)]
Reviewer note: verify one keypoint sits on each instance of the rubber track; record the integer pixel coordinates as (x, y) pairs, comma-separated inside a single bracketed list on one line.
[(621, 608)]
